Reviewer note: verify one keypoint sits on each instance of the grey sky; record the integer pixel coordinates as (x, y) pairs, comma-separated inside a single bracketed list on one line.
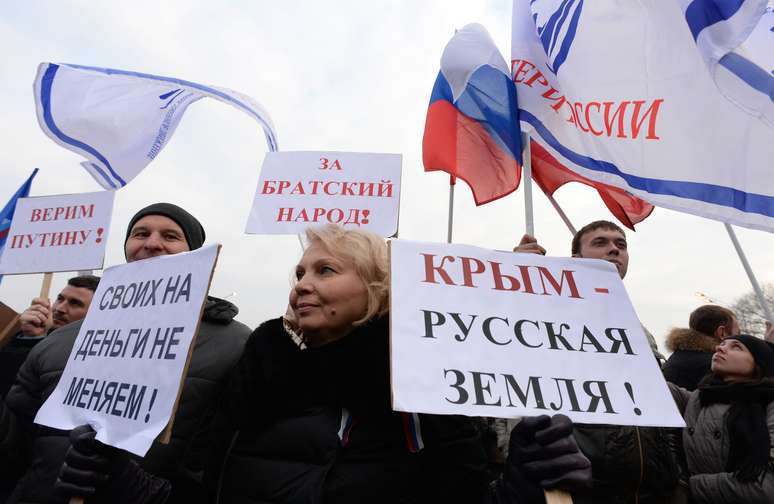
[(341, 75)]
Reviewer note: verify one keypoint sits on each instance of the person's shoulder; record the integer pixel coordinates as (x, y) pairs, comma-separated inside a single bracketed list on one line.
[(60, 338)]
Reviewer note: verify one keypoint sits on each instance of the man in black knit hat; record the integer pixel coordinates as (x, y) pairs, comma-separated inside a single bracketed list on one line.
[(34, 454)]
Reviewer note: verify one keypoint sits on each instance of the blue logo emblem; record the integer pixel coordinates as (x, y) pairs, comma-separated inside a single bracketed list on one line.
[(556, 22), (170, 97)]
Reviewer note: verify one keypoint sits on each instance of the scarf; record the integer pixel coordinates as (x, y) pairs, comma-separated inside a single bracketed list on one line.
[(749, 456)]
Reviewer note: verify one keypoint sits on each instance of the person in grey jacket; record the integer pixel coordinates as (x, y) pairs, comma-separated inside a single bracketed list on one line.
[(34, 454), (729, 434)]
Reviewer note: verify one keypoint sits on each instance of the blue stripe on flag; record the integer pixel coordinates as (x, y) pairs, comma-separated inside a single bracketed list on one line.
[(708, 193), (756, 77), (207, 89), (45, 100), (703, 13), (497, 113)]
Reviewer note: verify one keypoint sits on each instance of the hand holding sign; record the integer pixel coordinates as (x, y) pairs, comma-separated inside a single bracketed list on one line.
[(124, 372), (104, 474), (36, 319)]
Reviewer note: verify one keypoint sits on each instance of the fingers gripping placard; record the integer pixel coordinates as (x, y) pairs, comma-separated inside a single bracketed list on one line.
[(125, 369), (488, 333)]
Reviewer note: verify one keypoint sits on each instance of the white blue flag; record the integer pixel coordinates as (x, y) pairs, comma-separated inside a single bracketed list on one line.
[(736, 40), (119, 120), (648, 96)]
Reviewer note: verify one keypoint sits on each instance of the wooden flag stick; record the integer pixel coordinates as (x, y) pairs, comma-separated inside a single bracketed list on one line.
[(45, 288), (556, 497)]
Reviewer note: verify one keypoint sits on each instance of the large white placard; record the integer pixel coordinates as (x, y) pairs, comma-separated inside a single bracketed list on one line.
[(499, 334), (66, 232), (299, 189), (124, 371)]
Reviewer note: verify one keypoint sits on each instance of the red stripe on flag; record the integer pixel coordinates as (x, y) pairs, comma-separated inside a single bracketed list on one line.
[(550, 175), (460, 146)]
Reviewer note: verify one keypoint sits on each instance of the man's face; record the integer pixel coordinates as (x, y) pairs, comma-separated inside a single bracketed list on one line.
[(71, 304), (607, 244), (154, 235)]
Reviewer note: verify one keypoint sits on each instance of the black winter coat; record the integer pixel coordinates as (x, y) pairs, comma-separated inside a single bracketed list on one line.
[(37, 452), (691, 358), (12, 356), (316, 425)]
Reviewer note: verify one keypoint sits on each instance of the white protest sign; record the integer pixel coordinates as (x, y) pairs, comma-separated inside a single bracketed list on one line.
[(66, 232), (487, 333), (125, 369), (299, 189)]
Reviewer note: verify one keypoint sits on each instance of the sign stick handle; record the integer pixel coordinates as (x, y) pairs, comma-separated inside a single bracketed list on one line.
[(45, 287), (526, 155), (750, 274), (552, 497), (452, 183)]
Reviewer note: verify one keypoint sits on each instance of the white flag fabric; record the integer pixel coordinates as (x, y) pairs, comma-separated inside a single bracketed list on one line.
[(736, 40), (119, 120), (625, 93)]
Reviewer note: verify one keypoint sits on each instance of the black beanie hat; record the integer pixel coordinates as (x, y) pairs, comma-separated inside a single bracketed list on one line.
[(761, 350), (192, 228)]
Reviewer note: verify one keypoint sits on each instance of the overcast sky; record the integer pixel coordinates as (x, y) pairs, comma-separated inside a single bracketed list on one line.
[(341, 75)]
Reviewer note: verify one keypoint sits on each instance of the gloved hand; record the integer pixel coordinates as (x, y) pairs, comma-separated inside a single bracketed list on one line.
[(88, 464), (106, 474), (543, 455), (546, 450)]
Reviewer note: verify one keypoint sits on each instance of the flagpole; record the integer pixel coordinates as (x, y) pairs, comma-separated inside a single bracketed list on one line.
[(561, 213), (526, 154), (749, 271), (452, 183)]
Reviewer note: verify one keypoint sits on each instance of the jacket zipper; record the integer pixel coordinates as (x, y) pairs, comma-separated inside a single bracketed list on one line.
[(223, 466)]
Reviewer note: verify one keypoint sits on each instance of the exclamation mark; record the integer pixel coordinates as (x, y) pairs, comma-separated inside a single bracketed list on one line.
[(150, 407), (99, 234), (364, 220), (628, 386)]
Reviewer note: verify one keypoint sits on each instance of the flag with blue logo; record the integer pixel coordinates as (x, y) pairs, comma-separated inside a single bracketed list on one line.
[(472, 126), (119, 120), (6, 214), (670, 100), (736, 41)]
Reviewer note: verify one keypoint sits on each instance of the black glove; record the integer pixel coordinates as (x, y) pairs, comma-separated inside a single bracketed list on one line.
[(546, 449), (105, 474), (543, 454)]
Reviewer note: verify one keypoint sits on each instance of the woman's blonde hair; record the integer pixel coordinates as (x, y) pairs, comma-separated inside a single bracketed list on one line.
[(368, 253)]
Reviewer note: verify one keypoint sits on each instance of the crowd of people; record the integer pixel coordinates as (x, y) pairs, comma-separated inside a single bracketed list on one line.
[(299, 410)]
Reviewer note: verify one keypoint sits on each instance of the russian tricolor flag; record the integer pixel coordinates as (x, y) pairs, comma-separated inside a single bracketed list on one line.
[(472, 127)]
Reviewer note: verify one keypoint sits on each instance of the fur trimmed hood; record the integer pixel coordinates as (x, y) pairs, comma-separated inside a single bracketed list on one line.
[(688, 339)]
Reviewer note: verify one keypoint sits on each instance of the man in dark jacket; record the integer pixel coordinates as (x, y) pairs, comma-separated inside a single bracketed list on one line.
[(692, 347), (41, 318), (628, 464), (35, 453)]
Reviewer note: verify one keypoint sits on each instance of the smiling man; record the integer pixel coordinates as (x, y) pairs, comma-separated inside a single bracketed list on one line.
[(31, 457)]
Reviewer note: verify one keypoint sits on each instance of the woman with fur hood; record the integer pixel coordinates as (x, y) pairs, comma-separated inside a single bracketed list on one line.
[(692, 347)]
